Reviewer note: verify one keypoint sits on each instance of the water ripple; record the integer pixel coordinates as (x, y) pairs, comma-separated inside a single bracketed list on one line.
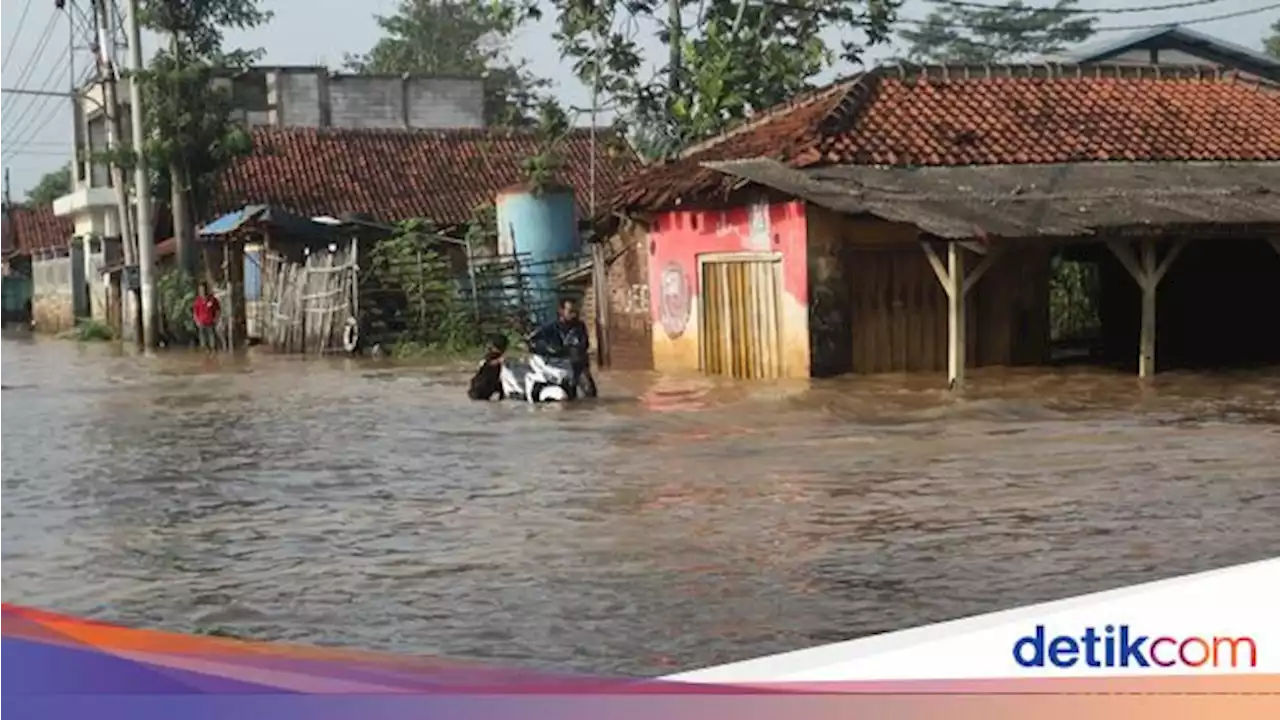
[(679, 522)]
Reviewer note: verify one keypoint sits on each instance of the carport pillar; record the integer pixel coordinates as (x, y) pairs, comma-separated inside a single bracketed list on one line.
[(956, 341), (1148, 273), (957, 285)]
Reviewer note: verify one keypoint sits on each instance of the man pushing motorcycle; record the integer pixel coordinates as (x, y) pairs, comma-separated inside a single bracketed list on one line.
[(566, 337)]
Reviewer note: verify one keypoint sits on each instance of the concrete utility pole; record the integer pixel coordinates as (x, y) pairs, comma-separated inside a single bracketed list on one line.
[(142, 183), (77, 162), (108, 74)]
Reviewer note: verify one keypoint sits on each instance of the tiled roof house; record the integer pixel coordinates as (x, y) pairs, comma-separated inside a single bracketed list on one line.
[(442, 175), (29, 228), (908, 117), (858, 227)]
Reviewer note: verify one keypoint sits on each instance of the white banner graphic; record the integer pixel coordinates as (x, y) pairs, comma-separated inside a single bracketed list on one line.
[(1223, 621)]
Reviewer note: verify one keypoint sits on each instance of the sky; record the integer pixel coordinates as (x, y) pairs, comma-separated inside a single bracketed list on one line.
[(35, 133)]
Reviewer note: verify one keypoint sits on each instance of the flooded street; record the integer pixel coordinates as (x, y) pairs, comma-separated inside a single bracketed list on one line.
[(675, 524)]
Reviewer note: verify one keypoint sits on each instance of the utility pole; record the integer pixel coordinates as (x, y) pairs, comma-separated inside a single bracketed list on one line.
[(675, 29), (108, 80), (76, 166), (142, 185), (108, 73), (180, 194)]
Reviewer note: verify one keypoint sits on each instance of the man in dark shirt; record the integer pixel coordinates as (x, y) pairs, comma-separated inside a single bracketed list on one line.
[(567, 338)]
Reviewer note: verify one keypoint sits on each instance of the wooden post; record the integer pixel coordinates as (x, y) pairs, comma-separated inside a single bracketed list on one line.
[(1147, 335), (955, 316), (600, 288), (1148, 273), (957, 284)]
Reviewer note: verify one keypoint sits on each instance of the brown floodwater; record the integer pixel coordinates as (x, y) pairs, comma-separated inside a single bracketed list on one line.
[(676, 523)]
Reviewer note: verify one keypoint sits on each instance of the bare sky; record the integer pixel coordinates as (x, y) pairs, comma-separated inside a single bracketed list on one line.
[(37, 131)]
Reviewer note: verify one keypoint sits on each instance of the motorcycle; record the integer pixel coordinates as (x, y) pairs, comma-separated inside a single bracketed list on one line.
[(538, 379)]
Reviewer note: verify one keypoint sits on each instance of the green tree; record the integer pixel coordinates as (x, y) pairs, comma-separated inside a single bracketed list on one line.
[(967, 34), (1272, 44), (461, 37), (51, 187), (188, 112), (726, 59)]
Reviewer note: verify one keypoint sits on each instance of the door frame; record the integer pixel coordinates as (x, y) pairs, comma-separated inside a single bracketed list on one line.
[(711, 258)]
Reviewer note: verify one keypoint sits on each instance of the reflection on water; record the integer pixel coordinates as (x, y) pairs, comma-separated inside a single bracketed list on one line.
[(675, 524)]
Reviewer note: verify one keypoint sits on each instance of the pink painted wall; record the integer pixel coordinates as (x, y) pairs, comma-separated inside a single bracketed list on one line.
[(678, 238)]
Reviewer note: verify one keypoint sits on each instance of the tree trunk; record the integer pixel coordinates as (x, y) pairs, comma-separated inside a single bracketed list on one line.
[(183, 230)]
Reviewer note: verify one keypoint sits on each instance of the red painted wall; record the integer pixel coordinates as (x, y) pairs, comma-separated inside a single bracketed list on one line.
[(678, 238)]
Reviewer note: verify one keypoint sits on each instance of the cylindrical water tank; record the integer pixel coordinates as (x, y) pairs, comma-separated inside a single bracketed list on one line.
[(541, 230)]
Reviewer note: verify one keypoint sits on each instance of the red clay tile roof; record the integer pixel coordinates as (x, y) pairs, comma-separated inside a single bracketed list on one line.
[(396, 175), (29, 228), (994, 115)]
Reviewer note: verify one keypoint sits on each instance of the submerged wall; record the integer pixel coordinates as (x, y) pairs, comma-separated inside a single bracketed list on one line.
[(676, 242), (52, 305)]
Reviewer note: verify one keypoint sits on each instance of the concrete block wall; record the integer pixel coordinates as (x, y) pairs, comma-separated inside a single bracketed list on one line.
[(52, 307), (445, 102), (313, 98), (366, 102)]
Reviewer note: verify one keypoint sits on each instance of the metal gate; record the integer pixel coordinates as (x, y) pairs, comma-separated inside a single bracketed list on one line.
[(740, 328)]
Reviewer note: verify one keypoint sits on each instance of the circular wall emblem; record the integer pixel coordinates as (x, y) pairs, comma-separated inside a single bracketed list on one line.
[(674, 300)]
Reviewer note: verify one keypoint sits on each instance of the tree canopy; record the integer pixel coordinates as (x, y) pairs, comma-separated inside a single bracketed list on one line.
[(1272, 44), (51, 187), (968, 34), (461, 37), (726, 59)]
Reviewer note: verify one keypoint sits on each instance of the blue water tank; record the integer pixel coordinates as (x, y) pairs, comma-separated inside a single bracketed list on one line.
[(542, 230)]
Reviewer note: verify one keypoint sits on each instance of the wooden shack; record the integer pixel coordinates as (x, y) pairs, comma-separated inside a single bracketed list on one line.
[(904, 220)]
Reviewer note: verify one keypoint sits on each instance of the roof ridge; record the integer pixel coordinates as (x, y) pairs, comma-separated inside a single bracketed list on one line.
[(437, 132)]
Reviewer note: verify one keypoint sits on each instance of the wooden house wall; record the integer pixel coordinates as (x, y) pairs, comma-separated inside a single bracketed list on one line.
[(876, 305)]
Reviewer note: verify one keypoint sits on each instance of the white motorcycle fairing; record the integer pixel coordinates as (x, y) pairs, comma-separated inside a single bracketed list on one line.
[(537, 379)]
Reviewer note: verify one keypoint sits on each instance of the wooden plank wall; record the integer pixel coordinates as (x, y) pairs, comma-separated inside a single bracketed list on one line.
[(897, 309), (740, 334)]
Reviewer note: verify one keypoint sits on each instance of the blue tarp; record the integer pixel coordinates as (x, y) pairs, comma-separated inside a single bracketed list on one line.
[(303, 228), (227, 223)]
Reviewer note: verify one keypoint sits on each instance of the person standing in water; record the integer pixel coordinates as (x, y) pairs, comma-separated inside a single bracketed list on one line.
[(567, 337), (205, 311), (487, 382)]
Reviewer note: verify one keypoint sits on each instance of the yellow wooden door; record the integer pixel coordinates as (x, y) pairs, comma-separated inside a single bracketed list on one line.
[(740, 329)]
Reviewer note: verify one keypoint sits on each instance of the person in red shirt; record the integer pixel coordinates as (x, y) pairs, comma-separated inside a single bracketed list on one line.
[(206, 310)]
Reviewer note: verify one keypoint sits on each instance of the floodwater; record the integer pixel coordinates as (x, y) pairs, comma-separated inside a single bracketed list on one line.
[(676, 523)]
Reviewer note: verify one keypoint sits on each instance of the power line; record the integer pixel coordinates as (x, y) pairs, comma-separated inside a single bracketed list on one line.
[(1076, 10), (16, 35), (41, 102), (42, 43), (1014, 26), (31, 131), (1194, 21), (39, 153)]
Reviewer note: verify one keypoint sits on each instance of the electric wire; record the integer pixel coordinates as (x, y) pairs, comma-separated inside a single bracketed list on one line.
[(1184, 4), (1014, 26), (35, 58), (16, 35)]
